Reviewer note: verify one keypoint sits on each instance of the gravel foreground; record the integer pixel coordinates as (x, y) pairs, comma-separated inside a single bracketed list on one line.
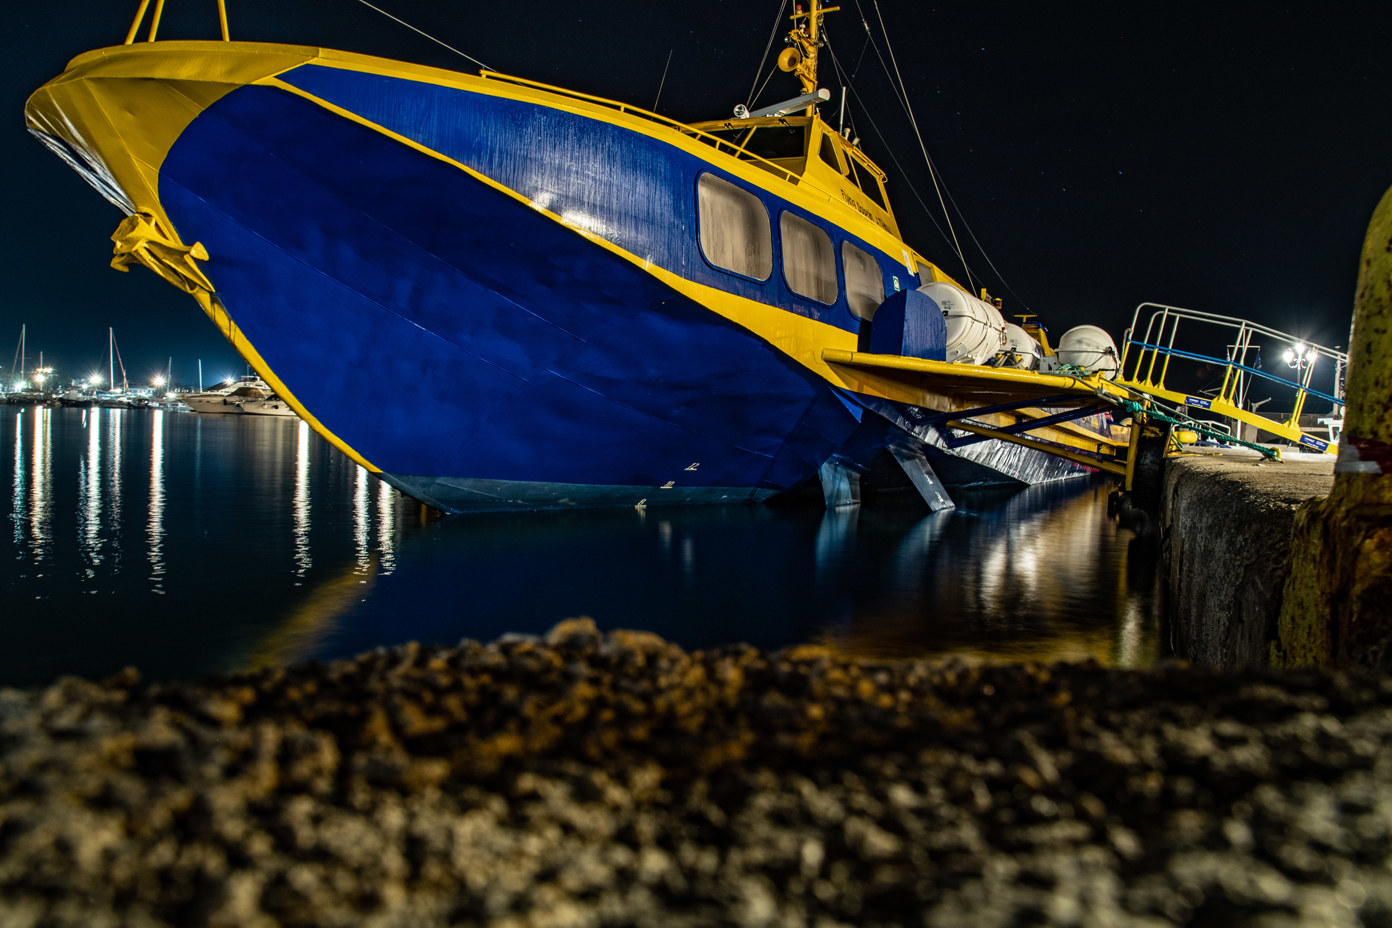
[(587, 779)]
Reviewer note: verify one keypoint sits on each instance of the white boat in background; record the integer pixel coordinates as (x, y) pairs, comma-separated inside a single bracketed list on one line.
[(229, 397), (271, 406)]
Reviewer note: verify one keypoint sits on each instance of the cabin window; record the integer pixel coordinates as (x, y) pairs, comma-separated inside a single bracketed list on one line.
[(864, 282), (828, 153), (775, 142), (772, 142), (809, 261), (869, 183), (734, 228)]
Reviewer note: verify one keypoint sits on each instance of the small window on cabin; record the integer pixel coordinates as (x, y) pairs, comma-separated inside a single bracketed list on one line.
[(864, 281), (828, 153), (809, 262), (869, 183), (734, 228)]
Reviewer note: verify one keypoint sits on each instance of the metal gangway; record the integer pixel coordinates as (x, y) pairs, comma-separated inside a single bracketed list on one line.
[(1148, 350)]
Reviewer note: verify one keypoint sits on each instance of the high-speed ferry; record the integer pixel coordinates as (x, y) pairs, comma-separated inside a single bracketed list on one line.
[(569, 301)]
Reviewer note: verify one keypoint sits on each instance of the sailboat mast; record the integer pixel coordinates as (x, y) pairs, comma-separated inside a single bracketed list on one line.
[(111, 358)]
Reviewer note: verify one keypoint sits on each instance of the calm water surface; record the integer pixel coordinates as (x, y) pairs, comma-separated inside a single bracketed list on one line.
[(184, 544)]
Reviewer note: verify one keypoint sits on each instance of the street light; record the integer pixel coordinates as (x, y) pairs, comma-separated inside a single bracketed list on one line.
[(1300, 357)]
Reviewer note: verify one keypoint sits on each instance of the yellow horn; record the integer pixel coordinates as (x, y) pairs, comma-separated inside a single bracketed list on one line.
[(789, 59)]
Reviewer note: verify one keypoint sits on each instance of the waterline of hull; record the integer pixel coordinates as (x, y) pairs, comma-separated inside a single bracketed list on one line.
[(480, 495)]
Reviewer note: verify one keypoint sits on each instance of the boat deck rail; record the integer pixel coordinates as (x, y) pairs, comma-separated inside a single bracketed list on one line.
[(630, 109), (719, 144), (1147, 351)]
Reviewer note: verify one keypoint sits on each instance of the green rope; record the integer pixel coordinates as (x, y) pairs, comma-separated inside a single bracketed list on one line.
[(1174, 417), (1136, 408)]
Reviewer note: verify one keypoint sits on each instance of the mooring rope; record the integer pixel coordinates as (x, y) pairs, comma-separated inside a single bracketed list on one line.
[(1174, 417)]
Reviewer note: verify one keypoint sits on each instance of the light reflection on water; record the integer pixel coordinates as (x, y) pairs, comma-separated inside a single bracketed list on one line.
[(155, 534), (188, 543)]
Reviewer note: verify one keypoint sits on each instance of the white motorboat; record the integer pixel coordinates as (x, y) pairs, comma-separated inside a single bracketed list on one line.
[(229, 397)]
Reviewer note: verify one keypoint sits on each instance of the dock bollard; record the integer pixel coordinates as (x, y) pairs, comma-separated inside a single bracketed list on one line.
[(1336, 610)]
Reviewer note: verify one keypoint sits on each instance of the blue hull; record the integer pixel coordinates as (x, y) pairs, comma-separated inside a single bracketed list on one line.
[(478, 352)]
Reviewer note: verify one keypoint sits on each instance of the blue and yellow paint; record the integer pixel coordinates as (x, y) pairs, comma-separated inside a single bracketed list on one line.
[(489, 291)]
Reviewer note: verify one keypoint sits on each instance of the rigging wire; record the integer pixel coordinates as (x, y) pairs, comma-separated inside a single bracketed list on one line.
[(940, 186), (929, 213), (772, 35), (426, 34), (932, 171), (772, 72), (885, 144), (662, 83), (936, 175)]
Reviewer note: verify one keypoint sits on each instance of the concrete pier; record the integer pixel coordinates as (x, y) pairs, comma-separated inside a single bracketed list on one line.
[(1226, 522), (1291, 563)]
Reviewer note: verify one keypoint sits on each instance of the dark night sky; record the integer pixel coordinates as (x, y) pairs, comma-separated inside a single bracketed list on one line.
[(1221, 157)]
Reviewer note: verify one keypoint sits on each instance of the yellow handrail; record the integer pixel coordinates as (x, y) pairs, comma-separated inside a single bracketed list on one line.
[(159, 11), (139, 15)]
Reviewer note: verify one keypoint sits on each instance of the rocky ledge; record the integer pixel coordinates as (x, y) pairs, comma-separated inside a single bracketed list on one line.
[(588, 779)]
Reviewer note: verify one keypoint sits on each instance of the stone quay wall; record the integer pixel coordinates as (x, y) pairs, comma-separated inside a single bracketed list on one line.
[(1225, 523)]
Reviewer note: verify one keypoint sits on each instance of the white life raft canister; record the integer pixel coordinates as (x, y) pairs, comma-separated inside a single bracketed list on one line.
[(1089, 348), (975, 329), (1022, 351)]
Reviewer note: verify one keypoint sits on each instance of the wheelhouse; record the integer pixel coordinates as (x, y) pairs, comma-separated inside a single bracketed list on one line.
[(805, 150)]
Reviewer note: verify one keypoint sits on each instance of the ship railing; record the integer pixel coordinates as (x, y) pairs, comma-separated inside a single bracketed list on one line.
[(684, 128), (628, 109), (1148, 349), (159, 11)]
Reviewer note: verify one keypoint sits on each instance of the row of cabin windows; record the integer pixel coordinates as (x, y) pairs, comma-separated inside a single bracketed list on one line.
[(736, 235)]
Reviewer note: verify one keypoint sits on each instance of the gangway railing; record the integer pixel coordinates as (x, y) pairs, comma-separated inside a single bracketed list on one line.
[(1146, 354)]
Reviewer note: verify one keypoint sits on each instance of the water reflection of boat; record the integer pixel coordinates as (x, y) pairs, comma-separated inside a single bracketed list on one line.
[(987, 581), (171, 402), (577, 302), (270, 406)]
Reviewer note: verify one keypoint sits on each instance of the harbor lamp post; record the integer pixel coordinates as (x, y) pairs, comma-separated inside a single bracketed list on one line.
[(1300, 357)]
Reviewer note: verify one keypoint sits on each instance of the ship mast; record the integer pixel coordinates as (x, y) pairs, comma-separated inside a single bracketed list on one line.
[(805, 38)]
